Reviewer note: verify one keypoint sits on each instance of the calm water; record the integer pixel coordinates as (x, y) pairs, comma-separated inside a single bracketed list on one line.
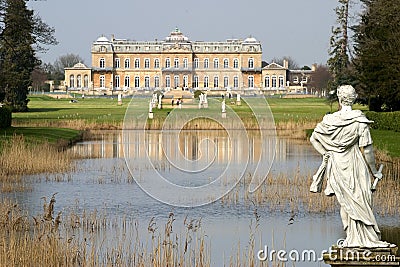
[(103, 181)]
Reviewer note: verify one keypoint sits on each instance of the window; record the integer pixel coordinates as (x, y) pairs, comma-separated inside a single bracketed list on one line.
[(236, 63), (147, 63), (236, 82), (273, 82), (185, 63), (226, 63), (250, 81), (296, 79), (167, 81), (196, 63), (206, 82), (117, 63), (167, 63), (71, 81), (281, 81), (127, 63), (137, 63), (216, 80), (156, 63), (137, 82), (304, 79), (127, 81), (266, 82), (102, 81), (196, 81), (251, 63), (117, 81), (206, 63), (176, 81), (226, 81), (102, 63), (176, 63), (147, 81), (216, 63), (79, 81), (185, 81), (157, 82), (86, 81)]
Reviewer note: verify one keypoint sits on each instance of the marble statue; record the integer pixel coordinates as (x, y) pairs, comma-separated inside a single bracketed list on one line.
[(223, 106), (338, 138)]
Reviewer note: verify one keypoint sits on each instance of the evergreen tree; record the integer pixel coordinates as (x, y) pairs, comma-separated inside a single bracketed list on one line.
[(377, 48)]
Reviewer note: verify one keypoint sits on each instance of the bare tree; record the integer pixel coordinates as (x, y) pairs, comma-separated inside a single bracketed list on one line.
[(292, 64)]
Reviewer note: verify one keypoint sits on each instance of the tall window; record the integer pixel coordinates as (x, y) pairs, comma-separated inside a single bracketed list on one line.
[(251, 81), (71, 81), (156, 82), (102, 63), (196, 63), (117, 63), (185, 81), (86, 81), (206, 82), (137, 63), (226, 63), (127, 81), (156, 63), (236, 82), (196, 81), (117, 81), (206, 63), (216, 80), (176, 63), (266, 82), (79, 81), (226, 81), (216, 63), (236, 63), (102, 81), (147, 81), (127, 63), (147, 63), (167, 63), (273, 82), (281, 82), (176, 81), (251, 63), (185, 63), (137, 82), (167, 81)]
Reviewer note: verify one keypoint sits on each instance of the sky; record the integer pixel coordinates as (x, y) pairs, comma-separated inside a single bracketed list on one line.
[(299, 29)]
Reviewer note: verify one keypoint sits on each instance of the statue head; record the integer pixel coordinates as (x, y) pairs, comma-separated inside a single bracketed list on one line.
[(346, 95)]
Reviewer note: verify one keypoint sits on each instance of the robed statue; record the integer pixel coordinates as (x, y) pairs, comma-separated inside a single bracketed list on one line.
[(344, 140)]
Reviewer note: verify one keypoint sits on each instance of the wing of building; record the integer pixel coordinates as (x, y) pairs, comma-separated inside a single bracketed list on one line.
[(120, 65)]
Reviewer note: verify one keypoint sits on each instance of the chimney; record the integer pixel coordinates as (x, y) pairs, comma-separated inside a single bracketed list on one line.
[(286, 64), (314, 67), (112, 38)]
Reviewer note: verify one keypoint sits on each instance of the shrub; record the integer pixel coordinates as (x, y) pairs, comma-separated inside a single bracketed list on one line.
[(385, 120), (5, 117)]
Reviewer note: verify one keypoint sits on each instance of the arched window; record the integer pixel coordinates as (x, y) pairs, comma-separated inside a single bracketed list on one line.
[(251, 81), (236, 82), (117, 81), (102, 81), (72, 81), (86, 81), (137, 63), (266, 82), (196, 63), (167, 63), (147, 81), (216, 81), (102, 63), (236, 63), (206, 82), (156, 63), (251, 63), (226, 63), (127, 63), (167, 81), (127, 81), (216, 63), (176, 63), (156, 82), (185, 81), (137, 82), (147, 63), (206, 64), (281, 82), (226, 81), (273, 82), (176, 81)]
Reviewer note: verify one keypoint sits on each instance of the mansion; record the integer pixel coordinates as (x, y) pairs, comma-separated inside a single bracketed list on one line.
[(120, 65)]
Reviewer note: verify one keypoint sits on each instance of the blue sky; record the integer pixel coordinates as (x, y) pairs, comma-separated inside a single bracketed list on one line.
[(299, 29)]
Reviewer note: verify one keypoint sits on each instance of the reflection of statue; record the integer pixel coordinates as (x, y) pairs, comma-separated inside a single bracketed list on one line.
[(223, 106), (339, 138), (150, 107)]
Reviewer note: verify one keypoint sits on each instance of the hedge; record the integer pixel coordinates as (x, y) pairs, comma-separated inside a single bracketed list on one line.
[(385, 120), (5, 117)]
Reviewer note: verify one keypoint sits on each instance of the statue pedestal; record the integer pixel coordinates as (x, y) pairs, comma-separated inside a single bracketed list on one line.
[(344, 257), (151, 115), (224, 115), (159, 106), (238, 103)]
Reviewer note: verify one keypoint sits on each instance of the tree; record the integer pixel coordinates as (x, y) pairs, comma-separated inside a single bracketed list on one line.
[(17, 57), (39, 78), (377, 49), (65, 61), (292, 64), (338, 62), (321, 78), (22, 34)]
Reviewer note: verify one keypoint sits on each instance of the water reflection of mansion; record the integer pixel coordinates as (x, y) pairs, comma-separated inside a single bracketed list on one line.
[(187, 144), (125, 66)]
